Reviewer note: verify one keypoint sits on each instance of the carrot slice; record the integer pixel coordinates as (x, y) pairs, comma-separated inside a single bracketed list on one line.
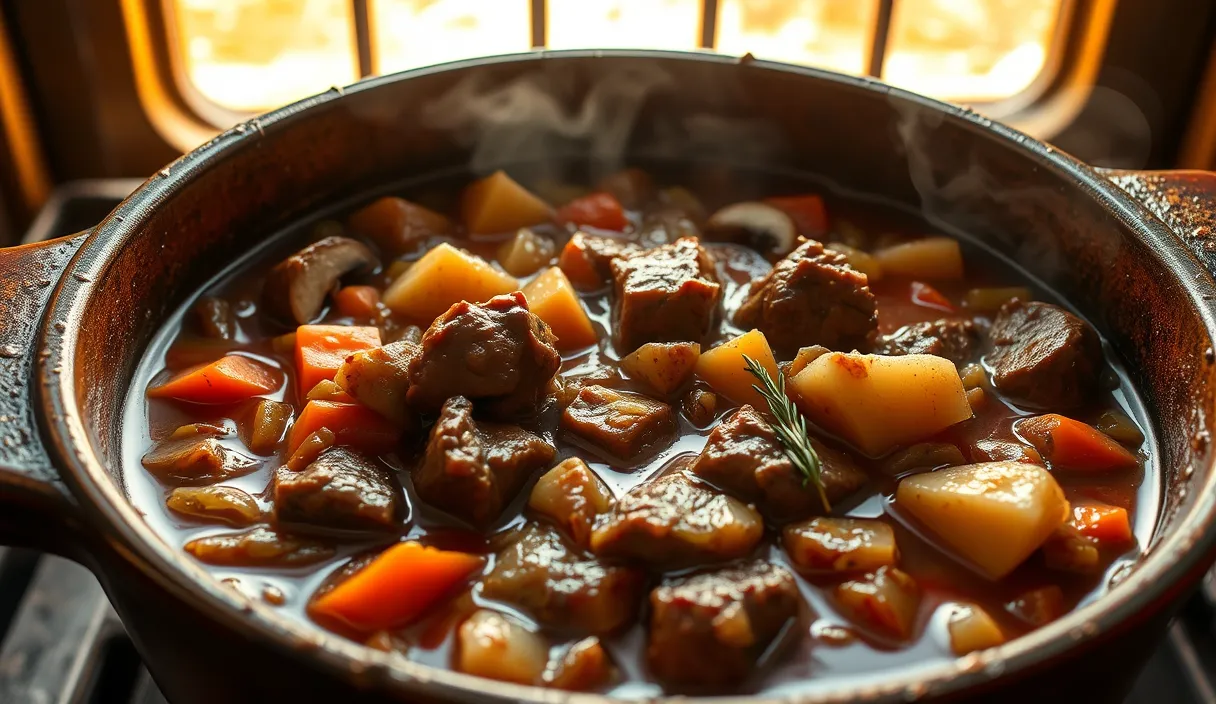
[(598, 210), (353, 425), (808, 213), (228, 379), (321, 349), (1106, 524), (1070, 444), (357, 301), (397, 587)]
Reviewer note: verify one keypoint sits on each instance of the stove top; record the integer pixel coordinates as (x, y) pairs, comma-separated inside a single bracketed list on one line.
[(61, 643)]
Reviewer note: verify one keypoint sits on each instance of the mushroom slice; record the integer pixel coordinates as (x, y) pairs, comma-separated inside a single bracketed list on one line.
[(296, 287), (759, 225)]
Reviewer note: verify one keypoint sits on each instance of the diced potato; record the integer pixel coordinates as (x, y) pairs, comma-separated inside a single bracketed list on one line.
[(928, 258), (973, 376), (924, 455), (551, 297), (860, 260), (724, 370), (262, 427), (991, 299), (878, 403), (443, 276), (584, 667), (805, 356), (396, 225), (378, 378), (328, 390), (1038, 607), (215, 503), (886, 601), (994, 515), (996, 450), (840, 544), (493, 645), (525, 253), (665, 366), (977, 399), (573, 496), (971, 629), (497, 203)]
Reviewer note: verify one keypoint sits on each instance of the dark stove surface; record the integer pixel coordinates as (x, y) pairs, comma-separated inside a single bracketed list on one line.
[(61, 643)]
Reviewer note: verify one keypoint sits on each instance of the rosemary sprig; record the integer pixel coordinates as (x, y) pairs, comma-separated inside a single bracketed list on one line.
[(790, 427)]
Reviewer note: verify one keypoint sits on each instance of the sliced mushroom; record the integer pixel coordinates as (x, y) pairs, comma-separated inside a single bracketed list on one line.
[(758, 225), (296, 287)]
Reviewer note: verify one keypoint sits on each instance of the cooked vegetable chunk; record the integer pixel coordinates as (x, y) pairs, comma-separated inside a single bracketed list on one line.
[(927, 258), (925, 455), (991, 299), (724, 369), (472, 470), (496, 646), (551, 297), (296, 287), (258, 547), (340, 491), (971, 629), (328, 390), (549, 580), (572, 496), (396, 225), (674, 520), (443, 277), (812, 297), (599, 210), (859, 259), (497, 203), (321, 350), (379, 378), (761, 226), (215, 318), (215, 503), (710, 630), (586, 259), (664, 366), (956, 340), (743, 457), (1038, 607), (360, 302), (584, 667), (808, 212), (498, 354), (398, 586), (1109, 525), (885, 601), (525, 253), (1069, 444), (1069, 551), (262, 426), (1120, 428), (666, 294), (994, 515), (351, 424), (1043, 356), (840, 544), (226, 380), (194, 455), (627, 428), (700, 407), (878, 403)]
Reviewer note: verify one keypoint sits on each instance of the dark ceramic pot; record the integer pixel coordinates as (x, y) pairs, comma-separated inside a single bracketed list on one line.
[(1133, 252)]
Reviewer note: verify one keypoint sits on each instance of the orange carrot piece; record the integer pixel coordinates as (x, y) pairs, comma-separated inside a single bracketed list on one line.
[(598, 210), (808, 213), (353, 425), (321, 349), (1070, 444), (923, 294), (357, 301), (397, 587), (228, 379), (1106, 524)]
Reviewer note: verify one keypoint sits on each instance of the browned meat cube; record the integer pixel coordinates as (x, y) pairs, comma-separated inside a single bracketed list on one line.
[(194, 455), (258, 547), (1043, 356), (676, 520), (558, 586), (626, 427), (665, 294), (812, 297), (472, 470), (956, 340), (587, 259), (341, 490), (709, 631), (497, 353), (743, 456)]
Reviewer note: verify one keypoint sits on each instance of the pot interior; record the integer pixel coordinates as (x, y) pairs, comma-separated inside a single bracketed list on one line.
[(743, 126)]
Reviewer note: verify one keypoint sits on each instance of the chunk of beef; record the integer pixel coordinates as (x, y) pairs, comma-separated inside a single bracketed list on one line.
[(665, 294), (744, 458), (676, 520), (497, 353), (956, 340), (709, 631), (472, 470), (812, 297), (626, 427), (557, 585), (341, 490), (1043, 356), (194, 455), (587, 259)]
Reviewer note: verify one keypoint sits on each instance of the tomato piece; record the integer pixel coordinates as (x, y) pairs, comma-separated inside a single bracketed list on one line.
[(923, 294), (599, 210)]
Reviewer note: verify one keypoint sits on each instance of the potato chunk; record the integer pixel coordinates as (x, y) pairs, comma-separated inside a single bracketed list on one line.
[(928, 258), (525, 253), (379, 378), (723, 367), (551, 297), (840, 544), (443, 276), (879, 403), (497, 203), (494, 645), (573, 496), (994, 514), (885, 601), (971, 629), (664, 366)]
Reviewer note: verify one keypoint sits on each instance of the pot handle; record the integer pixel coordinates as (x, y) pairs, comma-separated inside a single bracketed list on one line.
[(1181, 199), (36, 508)]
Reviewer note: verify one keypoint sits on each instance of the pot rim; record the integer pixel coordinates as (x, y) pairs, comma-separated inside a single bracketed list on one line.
[(1171, 564)]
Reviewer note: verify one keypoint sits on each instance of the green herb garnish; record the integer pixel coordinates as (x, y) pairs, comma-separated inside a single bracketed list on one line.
[(790, 427)]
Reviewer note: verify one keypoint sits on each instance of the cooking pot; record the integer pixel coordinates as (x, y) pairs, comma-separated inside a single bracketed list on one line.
[(1133, 252)]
